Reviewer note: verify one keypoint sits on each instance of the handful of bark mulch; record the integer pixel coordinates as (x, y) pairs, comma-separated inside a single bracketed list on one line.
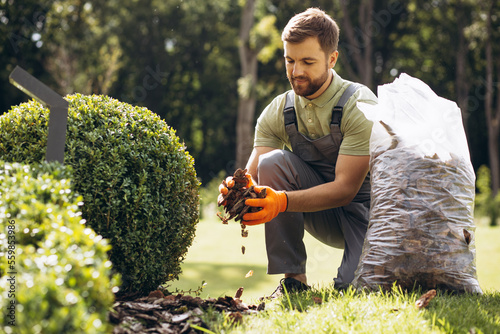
[(234, 200), (174, 313), (421, 229)]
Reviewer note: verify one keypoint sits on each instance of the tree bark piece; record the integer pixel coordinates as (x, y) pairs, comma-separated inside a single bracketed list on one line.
[(234, 200), (425, 299)]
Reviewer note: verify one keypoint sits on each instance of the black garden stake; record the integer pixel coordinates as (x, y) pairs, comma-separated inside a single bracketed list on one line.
[(58, 118)]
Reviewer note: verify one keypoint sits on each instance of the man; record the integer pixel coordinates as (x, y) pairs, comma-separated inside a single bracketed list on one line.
[(321, 184)]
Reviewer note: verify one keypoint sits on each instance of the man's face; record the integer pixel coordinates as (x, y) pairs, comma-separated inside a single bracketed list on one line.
[(308, 67)]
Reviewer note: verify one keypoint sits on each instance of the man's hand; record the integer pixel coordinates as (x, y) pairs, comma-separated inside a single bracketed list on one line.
[(274, 203)]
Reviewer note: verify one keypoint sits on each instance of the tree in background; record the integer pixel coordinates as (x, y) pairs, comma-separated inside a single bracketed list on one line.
[(257, 42), (491, 9), (487, 204), (246, 83), (21, 27), (84, 51), (358, 61), (181, 59)]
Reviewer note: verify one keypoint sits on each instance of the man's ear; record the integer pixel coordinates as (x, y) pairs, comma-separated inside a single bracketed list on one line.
[(332, 59)]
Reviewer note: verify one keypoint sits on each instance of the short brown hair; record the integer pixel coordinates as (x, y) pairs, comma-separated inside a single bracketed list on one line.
[(313, 23)]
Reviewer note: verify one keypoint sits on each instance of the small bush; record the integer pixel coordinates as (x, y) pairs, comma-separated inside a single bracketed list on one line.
[(54, 267), (487, 205), (137, 180)]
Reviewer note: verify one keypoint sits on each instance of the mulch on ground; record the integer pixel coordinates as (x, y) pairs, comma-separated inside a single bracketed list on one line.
[(171, 314)]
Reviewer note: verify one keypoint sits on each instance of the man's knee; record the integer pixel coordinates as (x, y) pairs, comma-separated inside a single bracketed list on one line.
[(272, 168), (271, 161)]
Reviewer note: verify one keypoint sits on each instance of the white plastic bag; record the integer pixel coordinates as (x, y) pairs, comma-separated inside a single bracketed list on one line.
[(421, 229)]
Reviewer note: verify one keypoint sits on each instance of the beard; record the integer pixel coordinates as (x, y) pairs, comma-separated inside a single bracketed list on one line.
[(310, 86)]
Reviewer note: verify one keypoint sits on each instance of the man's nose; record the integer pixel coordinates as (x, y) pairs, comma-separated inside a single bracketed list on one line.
[(297, 70)]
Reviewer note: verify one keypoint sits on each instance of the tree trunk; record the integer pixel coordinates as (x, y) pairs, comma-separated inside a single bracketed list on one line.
[(492, 114), (461, 81), (357, 56), (370, 29), (248, 79)]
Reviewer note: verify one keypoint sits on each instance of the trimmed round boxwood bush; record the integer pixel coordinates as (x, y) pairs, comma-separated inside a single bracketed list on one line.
[(54, 270), (137, 180)]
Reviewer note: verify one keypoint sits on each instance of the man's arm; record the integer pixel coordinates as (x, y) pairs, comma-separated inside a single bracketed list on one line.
[(253, 161), (350, 173)]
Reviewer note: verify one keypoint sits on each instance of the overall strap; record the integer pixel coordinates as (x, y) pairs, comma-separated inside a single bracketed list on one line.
[(337, 110), (337, 113), (289, 111)]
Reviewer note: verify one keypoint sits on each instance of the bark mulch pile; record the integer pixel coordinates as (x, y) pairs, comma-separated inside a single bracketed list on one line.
[(174, 313)]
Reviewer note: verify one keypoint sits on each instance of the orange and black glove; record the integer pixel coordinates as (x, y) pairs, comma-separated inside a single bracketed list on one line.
[(274, 203)]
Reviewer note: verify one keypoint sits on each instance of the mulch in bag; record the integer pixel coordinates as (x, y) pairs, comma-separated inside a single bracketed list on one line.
[(421, 229)]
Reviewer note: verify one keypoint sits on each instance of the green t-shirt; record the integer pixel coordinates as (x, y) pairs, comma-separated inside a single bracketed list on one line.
[(314, 117)]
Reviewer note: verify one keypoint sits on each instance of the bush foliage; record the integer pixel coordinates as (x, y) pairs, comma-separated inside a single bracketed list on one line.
[(487, 204), (137, 180), (54, 267)]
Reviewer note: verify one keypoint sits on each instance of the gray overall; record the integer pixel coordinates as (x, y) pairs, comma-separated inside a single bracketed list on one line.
[(312, 163)]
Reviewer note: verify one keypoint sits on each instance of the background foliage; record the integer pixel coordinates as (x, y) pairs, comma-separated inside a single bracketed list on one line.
[(180, 58), (487, 205)]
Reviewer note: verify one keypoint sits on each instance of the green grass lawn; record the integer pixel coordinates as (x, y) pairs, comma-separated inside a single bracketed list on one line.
[(216, 258), (488, 257), (360, 312)]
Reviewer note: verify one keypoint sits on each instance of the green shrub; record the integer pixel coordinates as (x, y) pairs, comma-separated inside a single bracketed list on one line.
[(486, 204), (51, 264), (137, 180)]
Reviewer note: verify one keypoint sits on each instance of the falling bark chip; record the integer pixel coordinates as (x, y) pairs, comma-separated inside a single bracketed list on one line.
[(239, 293)]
